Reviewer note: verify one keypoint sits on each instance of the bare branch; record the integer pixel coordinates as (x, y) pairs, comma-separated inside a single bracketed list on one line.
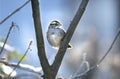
[(59, 57), (12, 25), (108, 51), (23, 67), (21, 59), (51, 71), (39, 37), (84, 66), (80, 76), (27, 76), (14, 12)]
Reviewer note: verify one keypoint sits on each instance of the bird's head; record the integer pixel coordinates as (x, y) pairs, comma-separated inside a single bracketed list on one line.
[(55, 23)]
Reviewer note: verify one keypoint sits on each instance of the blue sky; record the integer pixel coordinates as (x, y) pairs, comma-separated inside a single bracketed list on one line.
[(100, 14)]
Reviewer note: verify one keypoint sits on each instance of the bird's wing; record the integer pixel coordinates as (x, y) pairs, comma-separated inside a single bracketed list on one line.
[(62, 31)]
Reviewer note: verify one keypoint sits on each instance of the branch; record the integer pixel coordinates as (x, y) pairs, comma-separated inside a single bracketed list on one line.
[(39, 37), (23, 67), (14, 12), (21, 59), (12, 25), (99, 62), (27, 76), (108, 51), (59, 57), (51, 71)]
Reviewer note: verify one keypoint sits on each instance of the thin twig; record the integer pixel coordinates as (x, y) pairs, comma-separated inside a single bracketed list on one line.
[(100, 61), (14, 12), (23, 67), (108, 51), (20, 59), (12, 25)]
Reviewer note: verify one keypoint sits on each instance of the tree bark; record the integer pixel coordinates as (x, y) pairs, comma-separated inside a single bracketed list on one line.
[(50, 72)]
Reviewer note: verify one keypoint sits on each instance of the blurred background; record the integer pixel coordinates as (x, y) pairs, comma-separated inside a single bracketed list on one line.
[(93, 36)]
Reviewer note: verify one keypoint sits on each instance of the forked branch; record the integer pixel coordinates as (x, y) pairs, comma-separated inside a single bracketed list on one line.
[(50, 72)]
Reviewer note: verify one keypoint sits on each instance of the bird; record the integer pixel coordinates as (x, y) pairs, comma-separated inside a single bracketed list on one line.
[(55, 34)]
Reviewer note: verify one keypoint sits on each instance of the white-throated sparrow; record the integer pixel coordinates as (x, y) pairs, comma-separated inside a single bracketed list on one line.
[(55, 33)]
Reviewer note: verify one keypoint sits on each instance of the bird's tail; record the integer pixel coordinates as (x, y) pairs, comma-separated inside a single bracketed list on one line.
[(69, 46)]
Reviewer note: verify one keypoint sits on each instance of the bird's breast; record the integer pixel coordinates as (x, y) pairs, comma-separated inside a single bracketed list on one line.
[(54, 37)]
